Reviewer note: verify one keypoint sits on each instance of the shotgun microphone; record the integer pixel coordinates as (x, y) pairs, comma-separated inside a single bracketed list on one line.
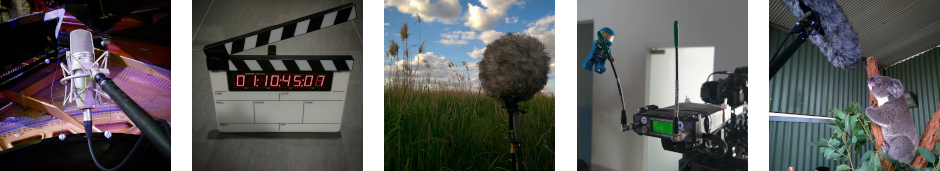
[(834, 37)]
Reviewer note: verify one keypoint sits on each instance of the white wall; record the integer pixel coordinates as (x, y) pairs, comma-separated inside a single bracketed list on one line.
[(372, 74), (565, 87), (639, 26)]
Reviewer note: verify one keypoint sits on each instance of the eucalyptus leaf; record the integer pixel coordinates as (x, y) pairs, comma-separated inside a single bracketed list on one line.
[(847, 123), (857, 106), (852, 121), (885, 155), (938, 148), (866, 156), (835, 142), (833, 156), (927, 154), (841, 151), (875, 161), (842, 167), (863, 167), (861, 139), (837, 113), (834, 127)]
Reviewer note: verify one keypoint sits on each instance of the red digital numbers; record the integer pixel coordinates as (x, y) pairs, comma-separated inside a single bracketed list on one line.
[(307, 80), (275, 82), (240, 80)]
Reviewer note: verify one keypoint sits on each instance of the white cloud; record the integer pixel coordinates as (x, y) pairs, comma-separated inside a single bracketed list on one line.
[(457, 37), (444, 11), (552, 66), (437, 67), (462, 37), (386, 24), (513, 19), (521, 4), (476, 53), (544, 21), (544, 30), (489, 36), (487, 16), (438, 70)]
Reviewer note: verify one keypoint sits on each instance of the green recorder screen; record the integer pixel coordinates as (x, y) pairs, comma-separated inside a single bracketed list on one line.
[(662, 127)]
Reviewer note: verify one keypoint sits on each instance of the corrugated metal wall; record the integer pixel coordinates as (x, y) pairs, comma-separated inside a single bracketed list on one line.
[(921, 75), (808, 84)]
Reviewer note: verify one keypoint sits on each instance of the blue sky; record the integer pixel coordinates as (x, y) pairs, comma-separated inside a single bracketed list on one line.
[(458, 31)]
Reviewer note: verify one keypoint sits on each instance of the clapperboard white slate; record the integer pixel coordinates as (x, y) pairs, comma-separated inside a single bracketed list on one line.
[(280, 93)]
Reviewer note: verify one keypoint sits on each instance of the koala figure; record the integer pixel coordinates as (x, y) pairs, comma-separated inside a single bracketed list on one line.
[(895, 119)]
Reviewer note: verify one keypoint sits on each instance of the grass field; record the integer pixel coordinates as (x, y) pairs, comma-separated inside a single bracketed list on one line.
[(439, 129)]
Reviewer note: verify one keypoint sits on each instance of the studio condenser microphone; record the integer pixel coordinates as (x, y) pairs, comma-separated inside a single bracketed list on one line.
[(835, 37), (82, 52)]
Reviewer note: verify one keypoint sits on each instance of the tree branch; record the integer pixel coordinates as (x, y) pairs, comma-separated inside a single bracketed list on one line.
[(929, 139), (872, 69)]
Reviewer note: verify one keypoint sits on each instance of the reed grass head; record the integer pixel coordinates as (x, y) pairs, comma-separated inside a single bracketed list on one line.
[(403, 31), (392, 51)]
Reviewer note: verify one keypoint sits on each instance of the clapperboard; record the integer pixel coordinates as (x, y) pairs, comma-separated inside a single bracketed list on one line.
[(280, 93)]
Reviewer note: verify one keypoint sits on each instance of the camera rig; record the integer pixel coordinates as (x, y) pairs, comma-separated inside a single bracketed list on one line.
[(694, 129)]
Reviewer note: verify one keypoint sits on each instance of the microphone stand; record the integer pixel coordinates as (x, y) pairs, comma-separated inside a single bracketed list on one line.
[(804, 27), (515, 135)]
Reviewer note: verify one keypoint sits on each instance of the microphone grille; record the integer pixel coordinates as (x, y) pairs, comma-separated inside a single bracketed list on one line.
[(81, 41)]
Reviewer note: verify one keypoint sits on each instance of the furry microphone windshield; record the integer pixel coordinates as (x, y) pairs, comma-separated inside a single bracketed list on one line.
[(514, 68), (836, 39)]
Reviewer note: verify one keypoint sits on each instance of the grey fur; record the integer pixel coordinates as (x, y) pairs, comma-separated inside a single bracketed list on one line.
[(897, 123), (514, 68), (840, 44)]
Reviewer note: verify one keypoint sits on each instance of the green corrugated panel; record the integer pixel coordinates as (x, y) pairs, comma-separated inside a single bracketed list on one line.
[(789, 146), (921, 75), (808, 84)]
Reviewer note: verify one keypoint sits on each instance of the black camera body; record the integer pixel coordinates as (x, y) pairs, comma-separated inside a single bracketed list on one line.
[(733, 88)]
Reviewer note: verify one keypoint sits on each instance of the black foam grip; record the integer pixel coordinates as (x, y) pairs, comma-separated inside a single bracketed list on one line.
[(147, 125)]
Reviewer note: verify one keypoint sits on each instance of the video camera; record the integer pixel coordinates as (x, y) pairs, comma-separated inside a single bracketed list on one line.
[(733, 88)]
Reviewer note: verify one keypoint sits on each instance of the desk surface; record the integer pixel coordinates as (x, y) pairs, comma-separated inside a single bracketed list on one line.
[(373, 142), (566, 143)]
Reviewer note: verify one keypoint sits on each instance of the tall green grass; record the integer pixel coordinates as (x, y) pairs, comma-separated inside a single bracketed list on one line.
[(452, 129)]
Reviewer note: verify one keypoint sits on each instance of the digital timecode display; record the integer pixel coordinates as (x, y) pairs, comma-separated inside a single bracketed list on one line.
[(280, 81)]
